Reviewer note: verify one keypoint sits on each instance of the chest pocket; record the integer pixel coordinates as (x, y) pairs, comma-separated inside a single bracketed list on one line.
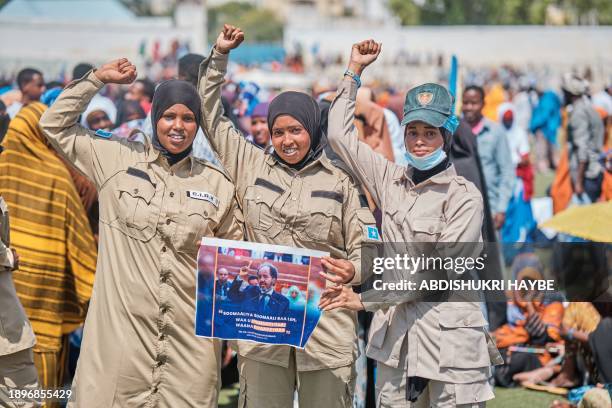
[(199, 219), (324, 209), (426, 229), (136, 215), (259, 212)]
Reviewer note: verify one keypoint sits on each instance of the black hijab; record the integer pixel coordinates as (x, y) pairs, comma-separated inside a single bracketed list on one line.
[(168, 93), (304, 109)]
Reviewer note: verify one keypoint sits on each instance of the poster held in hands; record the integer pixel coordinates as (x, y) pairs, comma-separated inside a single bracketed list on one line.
[(258, 292)]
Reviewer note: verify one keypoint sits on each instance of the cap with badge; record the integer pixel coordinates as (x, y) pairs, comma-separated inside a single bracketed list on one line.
[(432, 104)]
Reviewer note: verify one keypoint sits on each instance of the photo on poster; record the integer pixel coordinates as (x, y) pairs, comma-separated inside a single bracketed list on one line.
[(258, 292)]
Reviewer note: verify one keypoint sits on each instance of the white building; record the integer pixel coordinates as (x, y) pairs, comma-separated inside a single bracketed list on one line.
[(55, 34)]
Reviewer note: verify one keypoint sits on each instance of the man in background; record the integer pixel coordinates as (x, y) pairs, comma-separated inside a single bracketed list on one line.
[(585, 133), (494, 154), (31, 85)]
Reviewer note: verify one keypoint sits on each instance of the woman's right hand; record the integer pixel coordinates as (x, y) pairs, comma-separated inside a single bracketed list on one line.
[(229, 38), (120, 71)]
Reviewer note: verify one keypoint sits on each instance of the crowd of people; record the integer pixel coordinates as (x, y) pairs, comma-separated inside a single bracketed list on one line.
[(114, 179)]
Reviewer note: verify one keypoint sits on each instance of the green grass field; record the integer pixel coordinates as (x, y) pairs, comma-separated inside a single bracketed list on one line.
[(504, 398), (519, 397)]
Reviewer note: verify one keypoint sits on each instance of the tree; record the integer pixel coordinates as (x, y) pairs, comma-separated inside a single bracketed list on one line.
[(259, 25), (442, 12)]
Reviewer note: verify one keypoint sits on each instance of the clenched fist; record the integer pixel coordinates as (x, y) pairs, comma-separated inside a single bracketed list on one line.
[(120, 71), (363, 54), (229, 38)]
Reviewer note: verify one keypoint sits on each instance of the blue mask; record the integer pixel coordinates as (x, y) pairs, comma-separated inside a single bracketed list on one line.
[(426, 162)]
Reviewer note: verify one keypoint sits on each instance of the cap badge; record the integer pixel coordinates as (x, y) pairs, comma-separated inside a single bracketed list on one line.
[(425, 98)]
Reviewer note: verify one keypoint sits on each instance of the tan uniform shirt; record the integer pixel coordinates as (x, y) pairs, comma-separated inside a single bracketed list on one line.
[(15, 331), (445, 341), (317, 207), (139, 346)]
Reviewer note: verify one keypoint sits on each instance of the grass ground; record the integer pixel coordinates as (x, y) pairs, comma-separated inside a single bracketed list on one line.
[(521, 398), (504, 398)]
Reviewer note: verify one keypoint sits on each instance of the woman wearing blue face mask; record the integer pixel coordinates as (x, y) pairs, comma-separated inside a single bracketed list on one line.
[(430, 350)]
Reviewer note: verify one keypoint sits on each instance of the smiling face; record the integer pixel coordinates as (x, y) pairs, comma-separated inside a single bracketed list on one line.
[(177, 128), (290, 140), (473, 103), (422, 139)]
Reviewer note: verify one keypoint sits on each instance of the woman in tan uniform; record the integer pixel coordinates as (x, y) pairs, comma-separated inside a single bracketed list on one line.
[(436, 354), (298, 196), (156, 202)]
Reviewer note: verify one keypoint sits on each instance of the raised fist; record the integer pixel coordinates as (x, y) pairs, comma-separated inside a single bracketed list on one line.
[(363, 54), (229, 38), (120, 71)]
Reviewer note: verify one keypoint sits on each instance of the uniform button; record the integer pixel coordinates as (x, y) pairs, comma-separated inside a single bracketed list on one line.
[(168, 221), (135, 191), (293, 198), (206, 213), (172, 194), (258, 197), (163, 249), (431, 229), (466, 321)]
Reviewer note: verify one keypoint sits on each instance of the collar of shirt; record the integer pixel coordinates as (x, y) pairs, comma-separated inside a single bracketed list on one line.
[(267, 292), (479, 127), (190, 161), (323, 160), (442, 177)]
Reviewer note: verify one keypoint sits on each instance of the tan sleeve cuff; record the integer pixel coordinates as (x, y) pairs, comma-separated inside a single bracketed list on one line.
[(89, 78), (218, 61), (348, 89)]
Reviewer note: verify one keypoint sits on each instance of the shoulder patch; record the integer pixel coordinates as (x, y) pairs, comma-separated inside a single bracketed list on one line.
[(103, 133), (371, 233)]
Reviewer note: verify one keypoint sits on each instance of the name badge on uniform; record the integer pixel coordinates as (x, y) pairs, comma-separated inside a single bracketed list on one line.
[(372, 232), (103, 133), (203, 195)]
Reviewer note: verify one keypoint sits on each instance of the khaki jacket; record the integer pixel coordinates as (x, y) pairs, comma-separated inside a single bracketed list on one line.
[(15, 331), (444, 341), (139, 348), (318, 207)]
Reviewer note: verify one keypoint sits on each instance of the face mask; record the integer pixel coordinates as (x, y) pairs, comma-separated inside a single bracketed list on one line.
[(426, 162)]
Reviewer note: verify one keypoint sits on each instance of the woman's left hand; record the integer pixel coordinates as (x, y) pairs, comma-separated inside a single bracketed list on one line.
[(342, 269), (363, 54), (340, 296)]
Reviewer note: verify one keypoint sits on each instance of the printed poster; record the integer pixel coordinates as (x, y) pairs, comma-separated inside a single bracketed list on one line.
[(258, 292)]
